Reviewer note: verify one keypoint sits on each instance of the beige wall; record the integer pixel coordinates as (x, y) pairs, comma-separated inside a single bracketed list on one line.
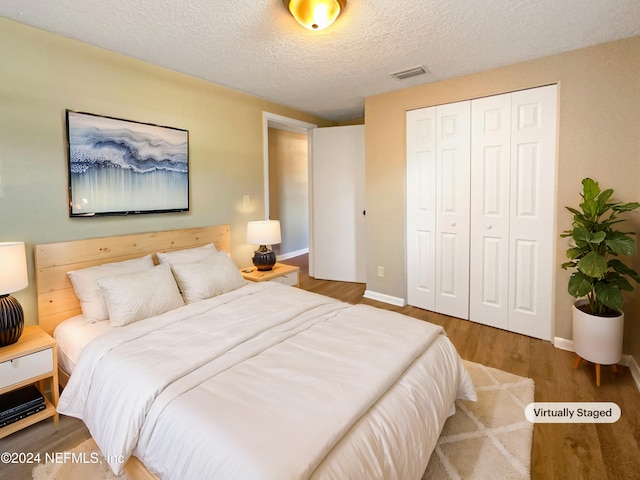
[(42, 74), (599, 136), (289, 188)]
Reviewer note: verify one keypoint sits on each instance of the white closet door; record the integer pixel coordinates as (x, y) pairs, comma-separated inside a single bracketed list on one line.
[(452, 208), (490, 180), (480, 209), (421, 207), (533, 165)]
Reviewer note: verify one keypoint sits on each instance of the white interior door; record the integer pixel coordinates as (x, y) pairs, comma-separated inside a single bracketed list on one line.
[(421, 207), (533, 167), (490, 197), (452, 207), (480, 208), (438, 157), (338, 196)]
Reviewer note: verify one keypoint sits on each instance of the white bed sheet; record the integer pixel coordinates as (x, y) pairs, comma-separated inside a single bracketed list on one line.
[(73, 335), (244, 404)]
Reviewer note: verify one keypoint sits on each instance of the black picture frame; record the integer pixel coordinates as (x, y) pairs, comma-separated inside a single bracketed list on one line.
[(124, 167)]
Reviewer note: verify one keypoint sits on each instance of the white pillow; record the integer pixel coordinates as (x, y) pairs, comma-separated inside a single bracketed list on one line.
[(207, 278), (187, 255), (140, 295), (84, 284)]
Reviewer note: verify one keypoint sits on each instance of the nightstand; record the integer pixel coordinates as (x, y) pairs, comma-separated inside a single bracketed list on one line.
[(287, 274), (33, 359)]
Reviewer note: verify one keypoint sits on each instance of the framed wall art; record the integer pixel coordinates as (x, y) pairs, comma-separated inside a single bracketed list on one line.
[(122, 167)]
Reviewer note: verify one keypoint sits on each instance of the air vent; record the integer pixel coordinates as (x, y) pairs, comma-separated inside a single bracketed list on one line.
[(411, 72)]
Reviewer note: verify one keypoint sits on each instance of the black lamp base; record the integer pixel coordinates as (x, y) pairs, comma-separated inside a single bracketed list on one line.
[(11, 320), (264, 259)]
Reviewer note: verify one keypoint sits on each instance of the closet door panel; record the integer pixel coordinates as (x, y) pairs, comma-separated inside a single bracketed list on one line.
[(533, 151), (524, 285), (480, 209), (421, 207), (452, 208), (490, 179)]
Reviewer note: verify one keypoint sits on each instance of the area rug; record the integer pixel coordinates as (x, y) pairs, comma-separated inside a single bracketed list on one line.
[(490, 438), (487, 439), (81, 463)]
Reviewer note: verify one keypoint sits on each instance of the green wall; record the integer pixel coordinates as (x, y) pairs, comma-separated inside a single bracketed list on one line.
[(42, 74)]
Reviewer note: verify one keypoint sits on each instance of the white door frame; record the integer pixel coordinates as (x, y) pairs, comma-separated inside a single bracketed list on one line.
[(273, 120)]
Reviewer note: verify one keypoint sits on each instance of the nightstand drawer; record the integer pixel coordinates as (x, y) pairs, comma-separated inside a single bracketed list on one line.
[(28, 366), (288, 279)]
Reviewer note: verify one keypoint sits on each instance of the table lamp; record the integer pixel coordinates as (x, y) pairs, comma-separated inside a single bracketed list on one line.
[(13, 277), (263, 233)]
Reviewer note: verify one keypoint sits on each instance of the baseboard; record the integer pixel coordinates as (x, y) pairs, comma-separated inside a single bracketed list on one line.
[(634, 368), (383, 297), (287, 256), (625, 361), (563, 343)]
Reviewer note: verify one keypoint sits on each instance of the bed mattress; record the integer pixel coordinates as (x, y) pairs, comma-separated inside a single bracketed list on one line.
[(73, 335)]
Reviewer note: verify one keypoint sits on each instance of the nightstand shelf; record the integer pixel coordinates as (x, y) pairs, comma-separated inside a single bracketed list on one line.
[(33, 359), (281, 273)]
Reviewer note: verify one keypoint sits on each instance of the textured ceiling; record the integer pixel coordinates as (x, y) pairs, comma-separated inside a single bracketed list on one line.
[(256, 47)]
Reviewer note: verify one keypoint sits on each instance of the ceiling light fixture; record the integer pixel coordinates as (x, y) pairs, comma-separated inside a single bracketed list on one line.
[(315, 14)]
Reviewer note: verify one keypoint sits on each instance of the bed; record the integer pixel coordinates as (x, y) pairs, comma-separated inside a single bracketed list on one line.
[(245, 380)]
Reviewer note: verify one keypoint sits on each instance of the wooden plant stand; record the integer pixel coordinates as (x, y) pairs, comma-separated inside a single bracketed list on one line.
[(580, 361)]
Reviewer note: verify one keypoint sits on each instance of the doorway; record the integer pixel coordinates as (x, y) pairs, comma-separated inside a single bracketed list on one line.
[(335, 222), (287, 182)]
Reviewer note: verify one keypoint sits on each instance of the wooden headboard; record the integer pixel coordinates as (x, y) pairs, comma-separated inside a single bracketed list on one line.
[(56, 299)]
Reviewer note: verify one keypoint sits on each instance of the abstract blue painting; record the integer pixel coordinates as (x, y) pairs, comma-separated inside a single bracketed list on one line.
[(121, 167)]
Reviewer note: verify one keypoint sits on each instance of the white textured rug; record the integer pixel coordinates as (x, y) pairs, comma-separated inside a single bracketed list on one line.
[(490, 438), (84, 462), (487, 439)]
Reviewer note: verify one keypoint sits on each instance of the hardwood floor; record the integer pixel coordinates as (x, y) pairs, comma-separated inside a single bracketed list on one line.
[(42, 438), (560, 451)]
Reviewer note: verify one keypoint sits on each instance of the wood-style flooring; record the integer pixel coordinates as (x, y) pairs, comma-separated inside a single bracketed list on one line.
[(560, 451)]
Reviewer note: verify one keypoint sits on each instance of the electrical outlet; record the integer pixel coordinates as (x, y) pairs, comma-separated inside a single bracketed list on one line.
[(380, 271), (246, 199)]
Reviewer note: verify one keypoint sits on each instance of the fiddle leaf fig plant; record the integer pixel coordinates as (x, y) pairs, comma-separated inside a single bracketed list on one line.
[(599, 275)]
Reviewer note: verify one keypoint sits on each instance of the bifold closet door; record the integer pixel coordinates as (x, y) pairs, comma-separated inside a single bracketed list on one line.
[(490, 180), (421, 207), (438, 208), (512, 210), (533, 185), (453, 159)]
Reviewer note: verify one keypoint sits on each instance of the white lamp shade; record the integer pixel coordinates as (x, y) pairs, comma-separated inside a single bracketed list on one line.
[(263, 232), (13, 267)]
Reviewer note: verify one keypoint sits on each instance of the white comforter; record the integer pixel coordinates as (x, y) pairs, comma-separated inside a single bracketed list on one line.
[(269, 382)]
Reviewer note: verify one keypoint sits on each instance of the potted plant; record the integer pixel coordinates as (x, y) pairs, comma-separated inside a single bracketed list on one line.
[(600, 276)]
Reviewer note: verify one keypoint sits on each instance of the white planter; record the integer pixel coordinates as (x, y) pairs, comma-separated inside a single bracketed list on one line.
[(597, 339)]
